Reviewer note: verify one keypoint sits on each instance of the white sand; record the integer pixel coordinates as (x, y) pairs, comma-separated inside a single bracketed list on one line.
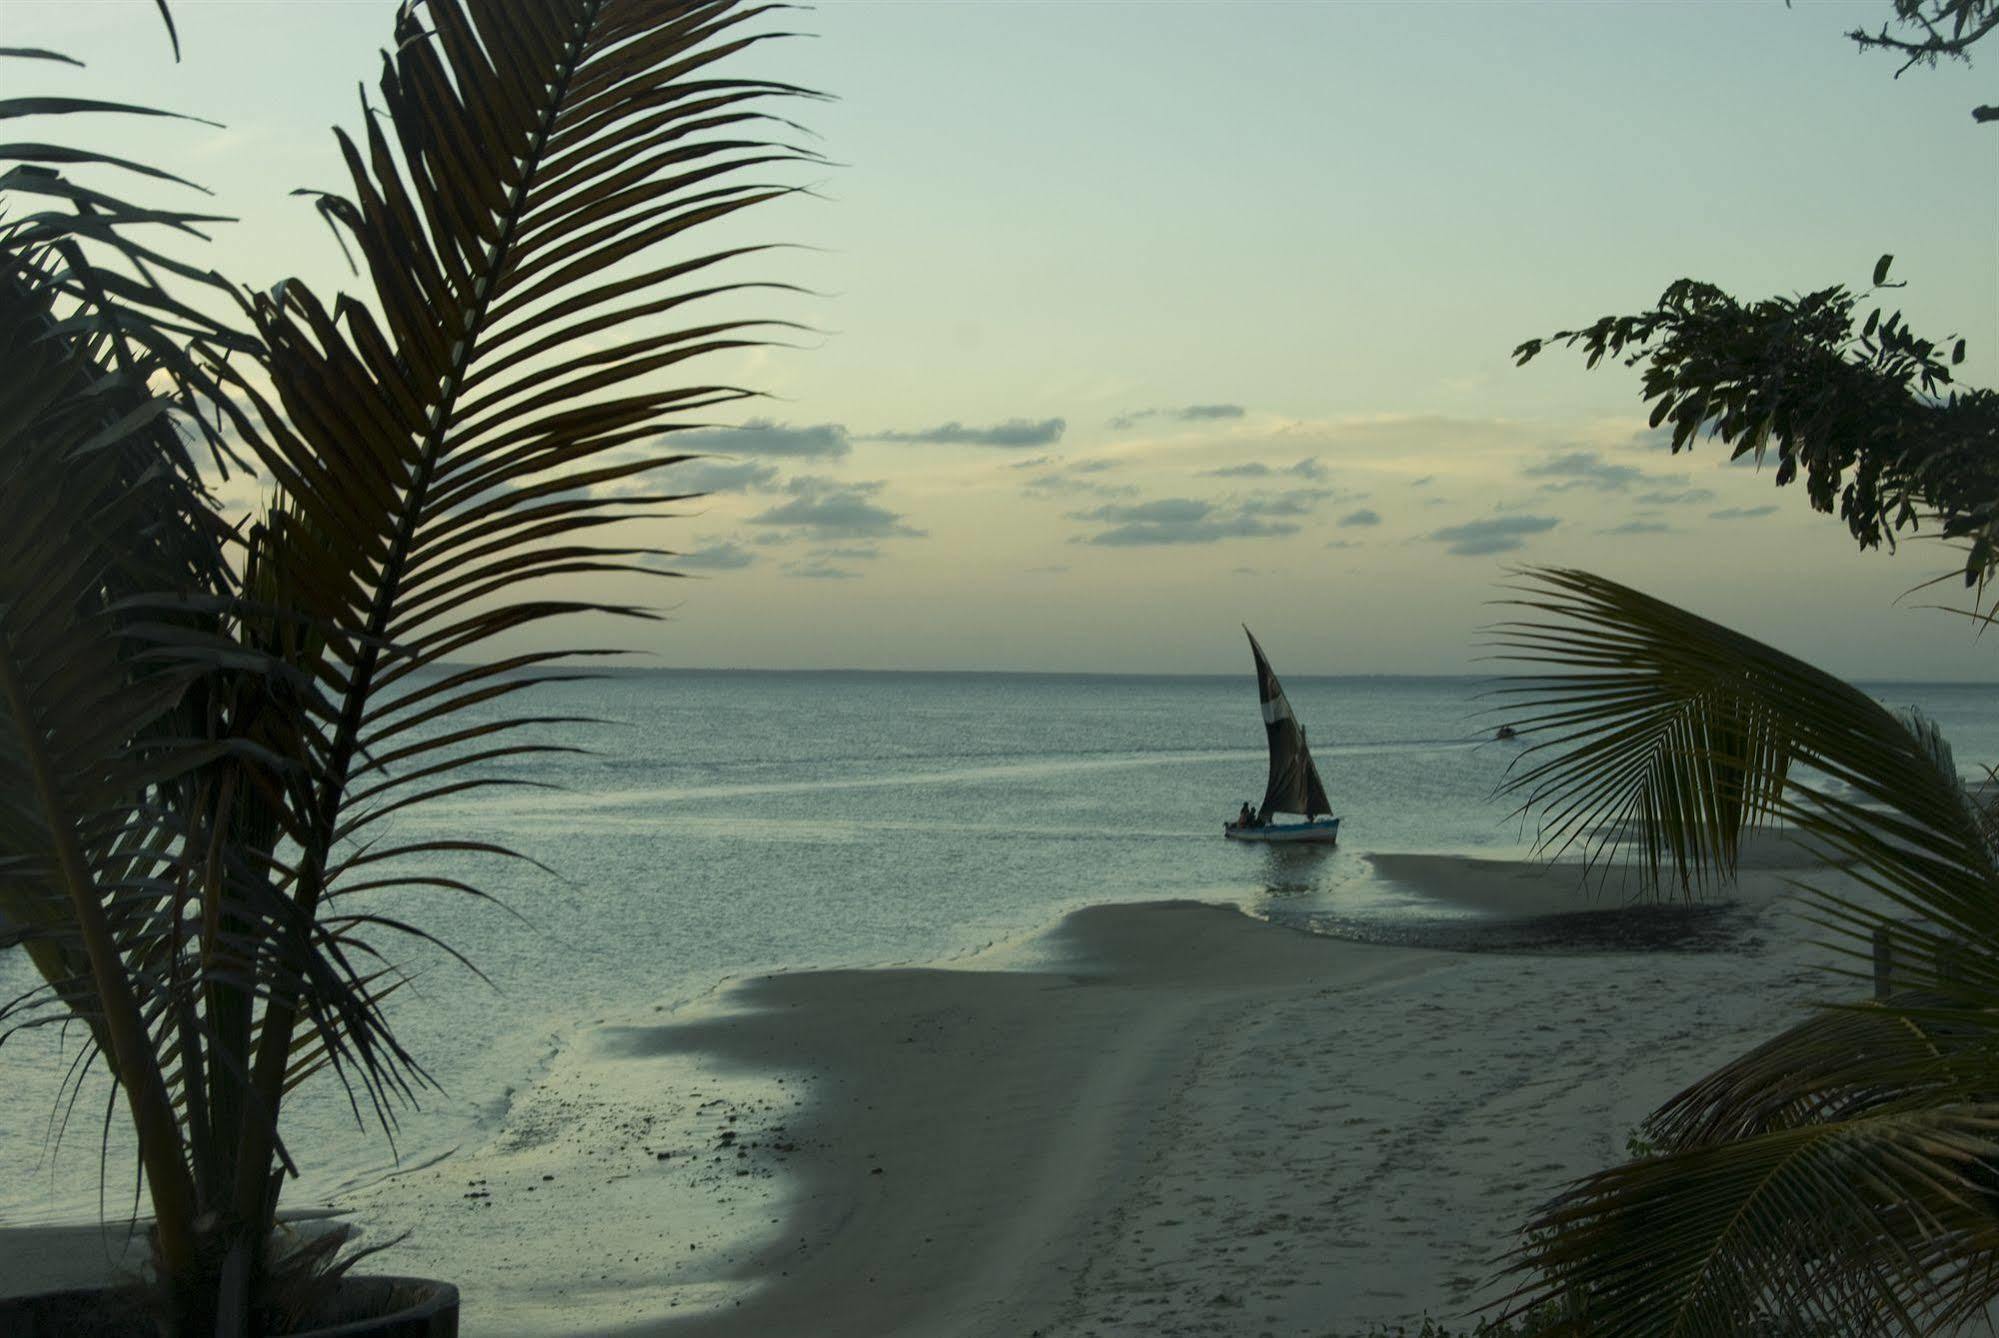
[(1182, 1121)]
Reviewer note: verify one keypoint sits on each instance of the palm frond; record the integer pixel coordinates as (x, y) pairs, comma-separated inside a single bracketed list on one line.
[(524, 208), (1837, 1064), (85, 702), (1881, 1224), (1666, 738)]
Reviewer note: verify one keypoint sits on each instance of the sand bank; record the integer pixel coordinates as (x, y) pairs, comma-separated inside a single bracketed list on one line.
[(1177, 1120)]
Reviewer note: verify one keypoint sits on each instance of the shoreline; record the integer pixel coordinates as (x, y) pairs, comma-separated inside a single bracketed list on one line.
[(1151, 1118)]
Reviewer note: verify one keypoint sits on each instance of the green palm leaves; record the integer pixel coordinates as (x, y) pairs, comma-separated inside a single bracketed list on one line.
[(1842, 1177), (469, 433), (202, 728)]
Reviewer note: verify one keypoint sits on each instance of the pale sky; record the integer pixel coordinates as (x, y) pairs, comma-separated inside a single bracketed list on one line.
[(1143, 320)]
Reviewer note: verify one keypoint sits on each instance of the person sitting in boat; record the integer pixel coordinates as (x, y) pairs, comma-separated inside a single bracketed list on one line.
[(1246, 818)]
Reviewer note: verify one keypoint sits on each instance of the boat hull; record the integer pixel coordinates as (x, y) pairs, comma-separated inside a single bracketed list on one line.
[(1324, 832)]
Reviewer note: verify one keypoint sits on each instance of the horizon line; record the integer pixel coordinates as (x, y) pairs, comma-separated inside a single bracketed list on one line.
[(598, 669)]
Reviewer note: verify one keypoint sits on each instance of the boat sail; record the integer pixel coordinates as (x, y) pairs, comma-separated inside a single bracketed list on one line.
[(1294, 785)]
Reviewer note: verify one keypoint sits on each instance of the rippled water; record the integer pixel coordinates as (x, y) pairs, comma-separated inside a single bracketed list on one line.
[(728, 823)]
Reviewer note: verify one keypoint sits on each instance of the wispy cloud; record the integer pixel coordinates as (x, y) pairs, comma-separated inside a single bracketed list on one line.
[(1364, 516), (1585, 469), (819, 571), (1056, 484), (1639, 527), (823, 508), (1685, 497), (725, 556), (1257, 469), (1293, 502), (1014, 433), (1741, 512), (1186, 413), (1178, 520), (1071, 479), (1500, 534), (719, 476), (761, 436)]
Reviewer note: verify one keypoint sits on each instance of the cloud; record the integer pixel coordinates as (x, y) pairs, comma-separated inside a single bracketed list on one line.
[(1423, 482), (720, 476), (760, 436), (1364, 516), (1063, 479), (850, 553), (1177, 520), (1686, 497), (1344, 543), (1013, 433), (1585, 469), (820, 571), (1501, 534), (726, 556), (1652, 439), (823, 509), (1055, 483), (1296, 502), (1256, 469), (1639, 527), (1741, 512), (1188, 413)]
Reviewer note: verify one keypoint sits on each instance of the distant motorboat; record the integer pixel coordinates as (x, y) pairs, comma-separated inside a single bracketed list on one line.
[(1506, 732), (1294, 785)]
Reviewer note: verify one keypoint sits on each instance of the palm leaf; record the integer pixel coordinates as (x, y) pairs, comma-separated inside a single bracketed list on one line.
[(1669, 737), (1837, 1064), (1880, 1224), (523, 209), (1840, 1174), (85, 852)]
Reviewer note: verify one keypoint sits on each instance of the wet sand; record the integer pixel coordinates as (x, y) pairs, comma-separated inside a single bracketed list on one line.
[(1158, 1119)]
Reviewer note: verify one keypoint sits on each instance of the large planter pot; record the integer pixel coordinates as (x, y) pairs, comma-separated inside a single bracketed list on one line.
[(361, 1308)]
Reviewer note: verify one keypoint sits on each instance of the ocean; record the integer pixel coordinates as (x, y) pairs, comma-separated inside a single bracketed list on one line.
[(728, 823)]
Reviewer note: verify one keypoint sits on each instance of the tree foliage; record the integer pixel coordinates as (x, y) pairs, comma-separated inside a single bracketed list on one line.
[(1839, 1178), (1864, 411), (1926, 31), (201, 728)]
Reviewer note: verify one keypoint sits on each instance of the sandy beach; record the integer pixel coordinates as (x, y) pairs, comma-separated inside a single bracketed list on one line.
[(1168, 1118)]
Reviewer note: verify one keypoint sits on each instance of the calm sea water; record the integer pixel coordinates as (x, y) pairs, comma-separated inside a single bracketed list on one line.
[(724, 824)]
